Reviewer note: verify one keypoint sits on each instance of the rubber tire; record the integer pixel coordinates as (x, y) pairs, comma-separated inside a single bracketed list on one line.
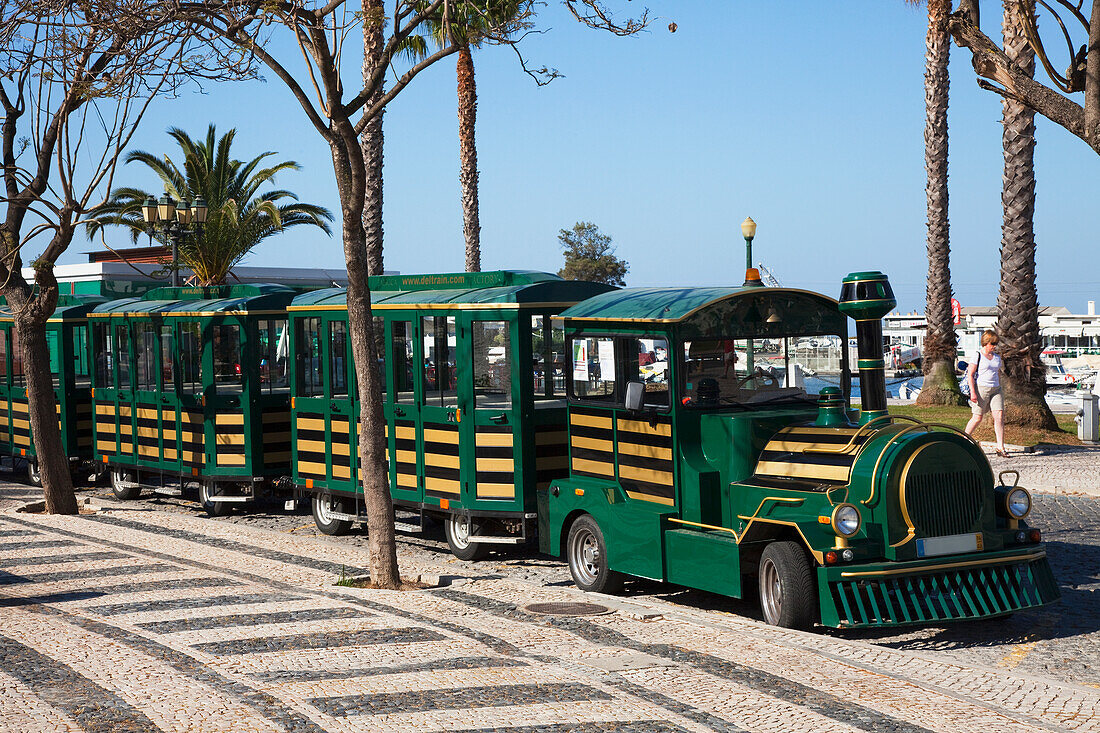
[(213, 508), (586, 534), (333, 527), (459, 542), (791, 600), (34, 473), (125, 493)]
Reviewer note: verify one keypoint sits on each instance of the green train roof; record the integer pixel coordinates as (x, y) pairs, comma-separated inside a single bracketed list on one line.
[(69, 307), (202, 301), (522, 288)]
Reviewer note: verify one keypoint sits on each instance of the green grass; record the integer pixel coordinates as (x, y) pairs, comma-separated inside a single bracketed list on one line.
[(957, 417)]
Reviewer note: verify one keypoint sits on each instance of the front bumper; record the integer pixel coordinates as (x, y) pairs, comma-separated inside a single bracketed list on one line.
[(948, 588)]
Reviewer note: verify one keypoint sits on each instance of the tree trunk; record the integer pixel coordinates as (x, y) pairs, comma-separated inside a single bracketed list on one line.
[(347, 158), (940, 344), (1023, 377), (31, 314), (467, 154), (374, 42)]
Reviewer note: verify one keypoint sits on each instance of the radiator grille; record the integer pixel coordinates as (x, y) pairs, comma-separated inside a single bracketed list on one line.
[(943, 503), (944, 596)]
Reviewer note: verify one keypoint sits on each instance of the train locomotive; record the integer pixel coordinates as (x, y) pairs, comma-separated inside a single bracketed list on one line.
[(659, 433)]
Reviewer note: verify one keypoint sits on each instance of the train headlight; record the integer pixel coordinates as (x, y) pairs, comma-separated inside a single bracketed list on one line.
[(846, 520), (1018, 503)]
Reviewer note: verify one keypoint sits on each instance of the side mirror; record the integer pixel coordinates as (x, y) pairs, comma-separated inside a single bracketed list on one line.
[(635, 391)]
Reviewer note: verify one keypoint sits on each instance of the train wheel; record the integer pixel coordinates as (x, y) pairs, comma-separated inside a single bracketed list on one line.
[(123, 484), (213, 508), (787, 595), (458, 529), (323, 506), (34, 472), (587, 555)]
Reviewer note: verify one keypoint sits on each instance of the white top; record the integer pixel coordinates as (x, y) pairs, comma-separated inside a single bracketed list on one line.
[(989, 370)]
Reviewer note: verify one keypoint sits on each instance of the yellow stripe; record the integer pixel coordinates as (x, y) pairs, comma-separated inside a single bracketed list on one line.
[(341, 472), (229, 419), (144, 414), (105, 445), (169, 415), (496, 440), (228, 439), (558, 437), (440, 461), (341, 449), (148, 451), (405, 456), (406, 481), (21, 424), (313, 446), (309, 423), (169, 434), (442, 436), (496, 464), (441, 484), (846, 432), (604, 469), (191, 418), (171, 454), (645, 474), (645, 451), (124, 411), (592, 421), (496, 491), (786, 445), (638, 426), (404, 432), (649, 497), (231, 459), (803, 470), (593, 444), (148, 433)]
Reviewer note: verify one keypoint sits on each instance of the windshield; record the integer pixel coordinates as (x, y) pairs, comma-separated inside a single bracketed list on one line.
[(743, 372)]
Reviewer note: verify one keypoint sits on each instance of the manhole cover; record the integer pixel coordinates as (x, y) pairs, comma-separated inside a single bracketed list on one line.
[(568, 609)]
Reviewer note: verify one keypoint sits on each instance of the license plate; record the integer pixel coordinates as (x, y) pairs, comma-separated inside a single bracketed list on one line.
[(949, 545)]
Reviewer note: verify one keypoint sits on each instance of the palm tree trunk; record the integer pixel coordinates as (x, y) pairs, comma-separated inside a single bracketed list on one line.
[(1023, 377), (374, 41), (467, 154), (940, 344)]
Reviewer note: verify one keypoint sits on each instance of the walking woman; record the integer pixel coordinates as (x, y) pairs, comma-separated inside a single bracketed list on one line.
[(984, 376)]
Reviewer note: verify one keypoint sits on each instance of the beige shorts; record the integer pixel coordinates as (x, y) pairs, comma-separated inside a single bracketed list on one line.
[(989, 398)]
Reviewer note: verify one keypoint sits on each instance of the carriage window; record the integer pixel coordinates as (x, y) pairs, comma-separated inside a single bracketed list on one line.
[(593, 368), (228, 376), (308, 348), (492, 364), (80, 356), (122, 355), (190, 350), (274, 349), (548, 357), (52, 344), (3, 357), (16, 359), (145, 348), (167, 374), (401, 360), (338, 357), (439, 361), (647, 362), (104, 356)]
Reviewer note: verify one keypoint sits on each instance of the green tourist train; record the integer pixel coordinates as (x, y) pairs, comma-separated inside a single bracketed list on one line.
[(661, 433)]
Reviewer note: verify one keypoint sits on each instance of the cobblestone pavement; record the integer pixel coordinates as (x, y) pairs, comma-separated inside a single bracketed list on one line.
[(138, 619)]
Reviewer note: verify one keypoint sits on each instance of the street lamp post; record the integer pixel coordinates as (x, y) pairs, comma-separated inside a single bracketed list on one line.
[(748, 231), (177, 222)]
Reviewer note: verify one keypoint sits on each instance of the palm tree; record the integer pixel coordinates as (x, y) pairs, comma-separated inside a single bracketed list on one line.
[(1023, 377), (470, 25), (239, 215), (940, 343)]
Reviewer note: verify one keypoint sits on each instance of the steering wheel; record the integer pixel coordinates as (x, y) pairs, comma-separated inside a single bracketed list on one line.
[(760, 373)]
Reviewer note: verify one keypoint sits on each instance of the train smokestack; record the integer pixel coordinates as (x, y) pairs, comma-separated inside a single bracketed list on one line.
[(867, 297)]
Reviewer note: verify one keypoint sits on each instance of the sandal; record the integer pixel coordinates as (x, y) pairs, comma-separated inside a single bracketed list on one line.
[(1002, 453)]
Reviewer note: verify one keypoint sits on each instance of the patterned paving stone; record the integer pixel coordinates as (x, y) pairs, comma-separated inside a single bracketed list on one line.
[(182, 604), (75, 557), (37, 544), (53, 577), (330, 640), (318, 675), (161, 585), (634, 726), (251, 619), (95, 708), (16, 532), (76, 595), (468, 697)]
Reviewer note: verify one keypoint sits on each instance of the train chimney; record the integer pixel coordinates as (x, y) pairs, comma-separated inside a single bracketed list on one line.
[(867, 297)]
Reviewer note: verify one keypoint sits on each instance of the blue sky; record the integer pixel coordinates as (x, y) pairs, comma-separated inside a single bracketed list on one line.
[(808, 117)]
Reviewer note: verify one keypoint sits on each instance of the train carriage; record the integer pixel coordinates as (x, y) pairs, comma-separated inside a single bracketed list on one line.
[(68, 342), (724, 475), (474, 401), (191, 387)]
